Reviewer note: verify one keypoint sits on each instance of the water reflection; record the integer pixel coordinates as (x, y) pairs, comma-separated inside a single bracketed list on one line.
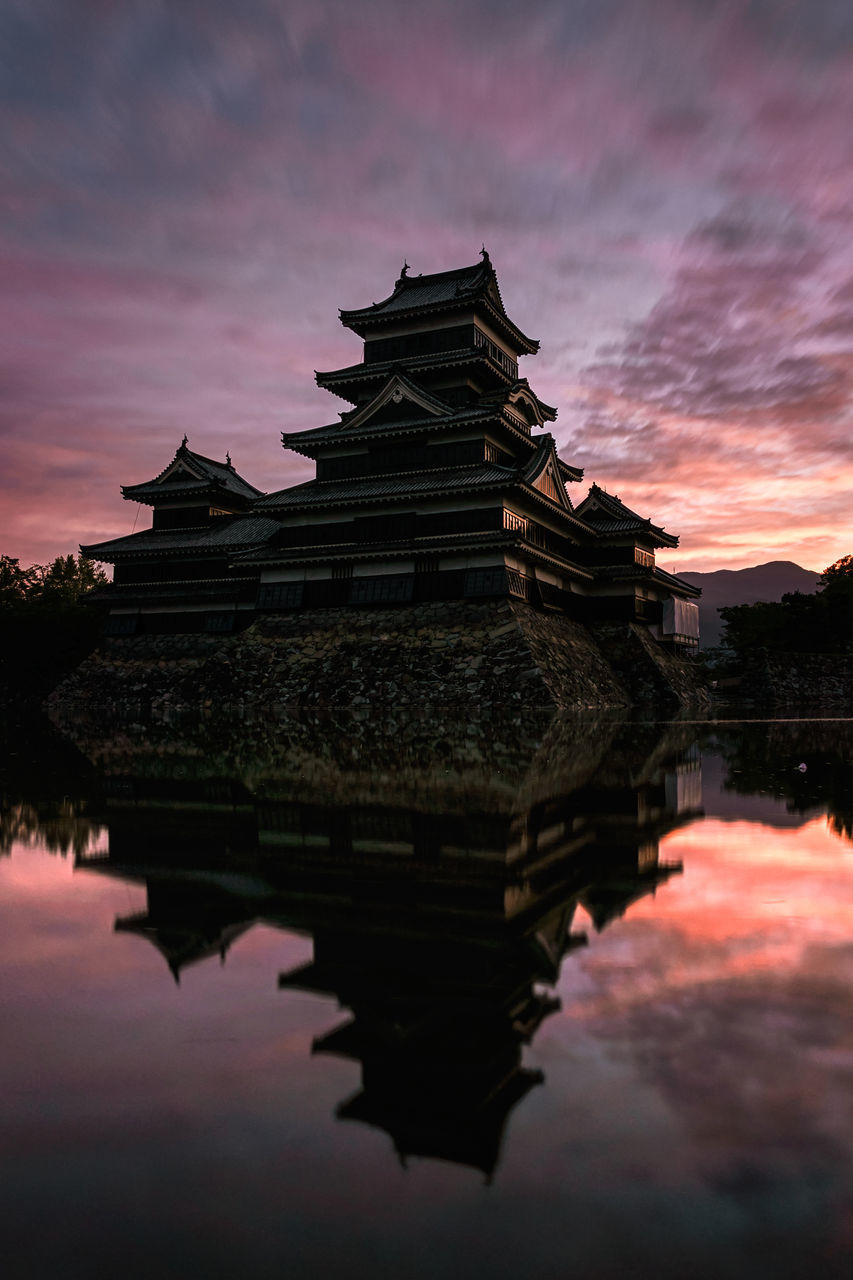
[(548, 966), (808, 764), (440, 893), (45, 791)]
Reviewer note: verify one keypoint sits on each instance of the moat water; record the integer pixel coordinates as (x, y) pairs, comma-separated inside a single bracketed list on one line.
[(344, 999)]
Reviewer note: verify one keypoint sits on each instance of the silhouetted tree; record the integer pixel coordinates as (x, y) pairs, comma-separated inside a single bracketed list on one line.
[(63, 582), (48, 625), (16, 583), (799, 623), (66, 579)]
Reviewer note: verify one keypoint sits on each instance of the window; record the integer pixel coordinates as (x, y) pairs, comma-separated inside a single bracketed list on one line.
[(485, 582), (513, 522), (391, 588), (121, 624), (519, 584), (497, 353), (219, 622), (281, 595)]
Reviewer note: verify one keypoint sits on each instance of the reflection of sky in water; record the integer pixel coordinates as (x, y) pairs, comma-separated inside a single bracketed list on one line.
[(695, 1119)]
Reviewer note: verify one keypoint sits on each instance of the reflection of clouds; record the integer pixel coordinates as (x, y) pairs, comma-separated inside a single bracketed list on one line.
[(731, 993), (759, 1069), (751, 898)]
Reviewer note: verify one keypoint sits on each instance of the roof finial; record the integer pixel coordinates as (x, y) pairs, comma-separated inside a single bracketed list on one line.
[(184, 441), (228, 459), (405, 270), (484, 254)]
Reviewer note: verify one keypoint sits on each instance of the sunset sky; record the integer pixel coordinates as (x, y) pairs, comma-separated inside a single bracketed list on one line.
[(190, 191)]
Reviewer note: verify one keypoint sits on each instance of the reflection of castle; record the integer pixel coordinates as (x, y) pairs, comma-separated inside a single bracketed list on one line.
[(440, 932)]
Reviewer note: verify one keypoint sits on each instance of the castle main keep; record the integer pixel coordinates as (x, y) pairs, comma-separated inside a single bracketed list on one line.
[(440, 482)]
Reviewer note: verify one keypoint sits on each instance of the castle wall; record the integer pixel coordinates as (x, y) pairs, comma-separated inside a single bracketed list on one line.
[(477, 653)]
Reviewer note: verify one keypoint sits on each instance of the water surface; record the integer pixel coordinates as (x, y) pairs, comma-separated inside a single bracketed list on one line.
[(328, 1000)]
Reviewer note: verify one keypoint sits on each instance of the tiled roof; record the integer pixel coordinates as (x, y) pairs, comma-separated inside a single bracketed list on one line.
[(623, 572), (607, 513), (378, 550), (225, 533), (384, 368), (318, 493), (422, 291), (342, 433), (441, 289), (202, 472), (614, 526), (672, 580)]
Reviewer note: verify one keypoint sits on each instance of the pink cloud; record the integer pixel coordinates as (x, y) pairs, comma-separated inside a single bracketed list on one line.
[(187, 211)]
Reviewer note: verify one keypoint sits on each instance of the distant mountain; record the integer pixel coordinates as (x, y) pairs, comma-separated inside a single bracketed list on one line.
[(745, 586)]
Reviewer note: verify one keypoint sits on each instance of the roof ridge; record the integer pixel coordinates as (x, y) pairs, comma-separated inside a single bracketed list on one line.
[(406, 282)]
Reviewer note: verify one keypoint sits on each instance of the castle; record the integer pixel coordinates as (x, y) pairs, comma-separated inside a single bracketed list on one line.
[(441, 482)]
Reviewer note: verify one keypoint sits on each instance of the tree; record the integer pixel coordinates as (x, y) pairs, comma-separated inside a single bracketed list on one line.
[(48, 626), (66, 579), (16, 583), (836, 597), (799, 623), (838, 574)]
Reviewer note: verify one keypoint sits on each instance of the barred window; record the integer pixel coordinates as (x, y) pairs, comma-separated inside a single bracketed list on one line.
[(121, 624), (391, 588), (485, 582), (497, 353), (219, 621), (281, 595), (514, 522)]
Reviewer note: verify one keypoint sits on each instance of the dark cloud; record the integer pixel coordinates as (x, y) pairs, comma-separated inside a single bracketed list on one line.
[(729, 335), (820, 28), (276, 159)]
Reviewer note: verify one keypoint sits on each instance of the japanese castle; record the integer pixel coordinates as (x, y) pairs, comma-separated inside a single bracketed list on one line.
[(440, 482)]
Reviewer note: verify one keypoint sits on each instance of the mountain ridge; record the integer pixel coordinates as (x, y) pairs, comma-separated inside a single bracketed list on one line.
[(761, 582)]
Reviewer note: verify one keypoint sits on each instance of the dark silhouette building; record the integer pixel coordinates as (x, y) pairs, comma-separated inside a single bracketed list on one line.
[(440, 482)]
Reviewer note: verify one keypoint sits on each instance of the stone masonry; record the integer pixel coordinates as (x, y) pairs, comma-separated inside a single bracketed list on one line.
[(484, 654)]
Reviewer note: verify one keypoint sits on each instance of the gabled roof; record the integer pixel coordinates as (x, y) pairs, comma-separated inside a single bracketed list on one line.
[(544, 473), (525, 398), (398, 390), (440, 291), (191, 474), (185, 943), (607, 514)]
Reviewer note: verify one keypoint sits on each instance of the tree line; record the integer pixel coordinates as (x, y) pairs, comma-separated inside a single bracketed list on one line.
[(799, 623), (47, 625), (63, 582)]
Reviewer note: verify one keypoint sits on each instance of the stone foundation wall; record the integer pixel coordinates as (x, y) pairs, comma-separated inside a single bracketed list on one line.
[(821, 682), (483, 654), (654, 675)]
